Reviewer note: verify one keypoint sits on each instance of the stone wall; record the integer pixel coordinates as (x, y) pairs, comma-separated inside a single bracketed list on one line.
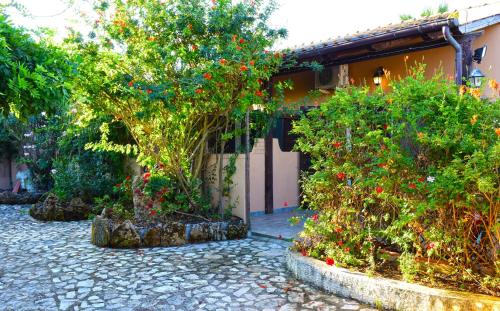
[(106, 233)]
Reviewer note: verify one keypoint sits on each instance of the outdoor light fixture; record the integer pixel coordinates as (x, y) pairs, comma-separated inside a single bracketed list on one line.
[(377, 76), (479, 54), (476, 77)]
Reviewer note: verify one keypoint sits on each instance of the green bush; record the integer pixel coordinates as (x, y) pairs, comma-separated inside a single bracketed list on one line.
[(413, 170)]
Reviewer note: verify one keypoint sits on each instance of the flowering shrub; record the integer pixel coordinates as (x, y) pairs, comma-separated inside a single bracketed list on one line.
[(180, 75), (413, 171)]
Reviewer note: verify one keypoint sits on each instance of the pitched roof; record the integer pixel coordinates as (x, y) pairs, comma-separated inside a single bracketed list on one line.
[(421, 23)]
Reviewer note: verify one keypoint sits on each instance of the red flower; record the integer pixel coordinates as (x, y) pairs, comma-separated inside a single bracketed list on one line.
[(314, 217), (146, 176), (252, 63), (149, 205), (385, 126), (347, 249), (329, 261), (259, 80), (234, 38), (340, 243), (222, 61), (382, 165), (207, 76), (285, 203), (379, 189), (194, 47), (338, 230), (118, 185), (199, 91), (258, 93), (421, 179), (341, 176), (137, 190), (303, 252), (412, 185), (152, 213), (128, 178), (149, 91), (431, 245), (242, 40), (131, 83), (162, 199), (243, 68), (337, 144)]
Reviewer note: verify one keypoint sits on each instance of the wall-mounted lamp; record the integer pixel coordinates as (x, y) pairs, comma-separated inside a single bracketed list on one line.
[(377, 76), (476, 77), (479, 54)]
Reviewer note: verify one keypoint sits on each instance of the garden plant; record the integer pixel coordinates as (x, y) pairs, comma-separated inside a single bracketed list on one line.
[(405, 182)]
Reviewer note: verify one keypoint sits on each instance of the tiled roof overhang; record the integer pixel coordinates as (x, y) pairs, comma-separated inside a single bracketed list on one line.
[(405, 37)]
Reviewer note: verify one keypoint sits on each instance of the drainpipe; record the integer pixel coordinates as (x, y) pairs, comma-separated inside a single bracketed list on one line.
[(458, 54)]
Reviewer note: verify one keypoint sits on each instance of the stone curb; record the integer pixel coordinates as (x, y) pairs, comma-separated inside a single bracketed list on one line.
[(386, 293)]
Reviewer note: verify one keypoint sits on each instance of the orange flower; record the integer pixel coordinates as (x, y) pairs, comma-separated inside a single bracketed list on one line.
[(473, 120), (462, 90), (151, 39), (420, 135), (258, 93), (497, 131), (243, 68), (207, 76), (252, 63), (222, 61), (234, 38), (389, 101), (493, 84), (194, 47), (199, 91), (242, 41), (476, 92)]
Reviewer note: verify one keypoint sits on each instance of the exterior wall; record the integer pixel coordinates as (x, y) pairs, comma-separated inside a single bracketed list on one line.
[(285, 185), (4, 174), (285, 178), (490, 65)]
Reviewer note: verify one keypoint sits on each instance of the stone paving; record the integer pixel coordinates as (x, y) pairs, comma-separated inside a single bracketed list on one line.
[(52, 266)]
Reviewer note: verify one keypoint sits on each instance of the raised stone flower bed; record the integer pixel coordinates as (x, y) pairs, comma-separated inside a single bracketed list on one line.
[(9, 197), (108, 233), (53, 209), (386, 293)]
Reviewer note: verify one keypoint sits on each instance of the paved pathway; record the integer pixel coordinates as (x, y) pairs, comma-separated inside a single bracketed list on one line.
[(52, 266), (278, 225)]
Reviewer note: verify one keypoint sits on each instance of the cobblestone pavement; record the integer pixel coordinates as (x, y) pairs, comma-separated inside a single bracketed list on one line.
[(52, 266)]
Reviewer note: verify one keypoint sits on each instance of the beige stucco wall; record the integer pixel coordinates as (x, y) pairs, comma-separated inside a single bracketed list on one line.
[(285, 186), (285, 177), (490, 65)]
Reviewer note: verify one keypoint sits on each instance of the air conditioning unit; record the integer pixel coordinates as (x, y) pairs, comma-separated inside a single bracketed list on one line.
[(328, 78)]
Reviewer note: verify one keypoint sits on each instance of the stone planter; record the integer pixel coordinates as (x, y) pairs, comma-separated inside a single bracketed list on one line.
[(52, 209), (105, 233), (386, 293)]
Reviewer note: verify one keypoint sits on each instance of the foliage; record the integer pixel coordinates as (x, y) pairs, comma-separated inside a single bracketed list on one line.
[(83, 173), (413, 170), (179, 74), (36, 75), (442, 8)]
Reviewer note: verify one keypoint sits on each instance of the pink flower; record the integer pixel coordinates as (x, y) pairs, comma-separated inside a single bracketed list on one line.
[(314, 217)]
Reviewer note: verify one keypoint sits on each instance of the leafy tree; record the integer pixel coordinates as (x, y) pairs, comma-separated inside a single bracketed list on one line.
[(180, 75), (35, 74)]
